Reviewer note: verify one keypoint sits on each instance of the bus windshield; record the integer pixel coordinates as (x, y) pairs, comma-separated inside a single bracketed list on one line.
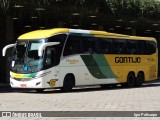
[(25, 56)]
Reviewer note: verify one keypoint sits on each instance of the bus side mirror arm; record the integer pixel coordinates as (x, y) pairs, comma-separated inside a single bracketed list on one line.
[(42, 47), (6, 47)]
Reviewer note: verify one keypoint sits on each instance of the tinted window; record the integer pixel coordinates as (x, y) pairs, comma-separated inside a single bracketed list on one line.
[(131, 46), (77, 44), (89, 45), (150, 47), (105, 45), (58, 38), (139, 48), (73, 45), (118, 46), (49, 56)]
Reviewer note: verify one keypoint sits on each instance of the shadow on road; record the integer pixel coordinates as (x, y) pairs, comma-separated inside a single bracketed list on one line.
[(77, 89)]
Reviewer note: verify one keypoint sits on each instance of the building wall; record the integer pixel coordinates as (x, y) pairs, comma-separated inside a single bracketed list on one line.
[(6, 37), (2, 44)]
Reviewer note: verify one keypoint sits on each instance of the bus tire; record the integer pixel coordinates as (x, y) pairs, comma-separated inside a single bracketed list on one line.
[(68, 83), (39, 90), (131, 80), (105, 86), (123, 85), (140, 79)]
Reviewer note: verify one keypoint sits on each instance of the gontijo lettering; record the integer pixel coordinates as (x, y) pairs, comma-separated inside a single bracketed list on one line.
[(127, 60)]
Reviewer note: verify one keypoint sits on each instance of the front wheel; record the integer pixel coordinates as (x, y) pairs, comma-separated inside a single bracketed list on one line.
[(68, 83), (39, 90), (105, 86)]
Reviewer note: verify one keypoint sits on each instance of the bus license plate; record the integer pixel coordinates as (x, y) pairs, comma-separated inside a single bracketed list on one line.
[(23, 85)]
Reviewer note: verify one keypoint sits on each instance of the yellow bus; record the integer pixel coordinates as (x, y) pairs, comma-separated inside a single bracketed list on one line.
[(65, 58)]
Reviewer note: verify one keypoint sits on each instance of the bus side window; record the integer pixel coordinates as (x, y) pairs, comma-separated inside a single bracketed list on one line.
[(140, 48), (105, 46), (73, 45), (89, 45), (150, 47), (131, 46), (119, 46), (58, 38), (50, 55)]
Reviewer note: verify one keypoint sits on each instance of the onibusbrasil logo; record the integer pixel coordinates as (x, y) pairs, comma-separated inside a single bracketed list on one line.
[(21, 114)]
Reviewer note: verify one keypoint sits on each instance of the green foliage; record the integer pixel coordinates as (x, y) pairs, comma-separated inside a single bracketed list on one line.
[(4, 5), (134, 8), (129, 8)]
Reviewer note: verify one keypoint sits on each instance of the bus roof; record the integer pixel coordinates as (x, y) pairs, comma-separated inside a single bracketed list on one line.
[(38, 34)]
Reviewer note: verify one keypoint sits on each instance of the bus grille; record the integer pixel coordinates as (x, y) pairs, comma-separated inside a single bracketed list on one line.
[(23, 79)]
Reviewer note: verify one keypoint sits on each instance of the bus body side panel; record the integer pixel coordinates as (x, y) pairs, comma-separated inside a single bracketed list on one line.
[(121, 65), (73, 64), (151, 67), (52, 79), (116, 68), (95, 70), (101, 71)]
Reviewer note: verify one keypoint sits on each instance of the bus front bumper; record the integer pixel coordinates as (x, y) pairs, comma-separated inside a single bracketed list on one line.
[(35, 83)]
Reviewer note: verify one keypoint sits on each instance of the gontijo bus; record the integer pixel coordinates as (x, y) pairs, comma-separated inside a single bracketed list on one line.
[(64, 58)]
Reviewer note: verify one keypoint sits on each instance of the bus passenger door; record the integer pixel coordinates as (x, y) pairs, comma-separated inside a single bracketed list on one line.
[(51, 67)]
